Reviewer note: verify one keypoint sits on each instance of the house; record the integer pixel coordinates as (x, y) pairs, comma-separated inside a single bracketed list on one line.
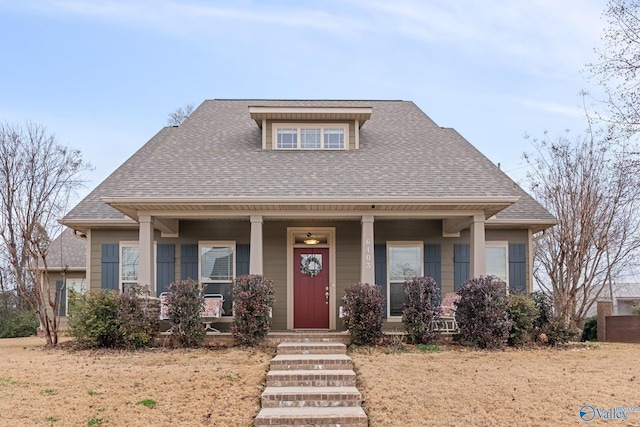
[(66, 267), (313, 194)]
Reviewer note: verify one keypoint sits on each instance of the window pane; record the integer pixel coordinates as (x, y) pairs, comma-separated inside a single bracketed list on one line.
[(396, 298), (309, 138), (404, 262), (334, 138), (287, 138), (216, 263), (129, 263), (497, 261)]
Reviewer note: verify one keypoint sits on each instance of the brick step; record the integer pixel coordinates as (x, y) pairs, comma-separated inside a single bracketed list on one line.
[(312, 348), (344, 416), (287, 362), (288, 397), (311, 378)]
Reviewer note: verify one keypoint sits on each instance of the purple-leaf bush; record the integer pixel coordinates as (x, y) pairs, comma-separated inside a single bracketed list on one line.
[(482, 312), (421, 311), (362, 312), (185, 300), (253, 299)]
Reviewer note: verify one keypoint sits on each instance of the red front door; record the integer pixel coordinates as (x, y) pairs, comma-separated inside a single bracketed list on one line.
[(311, 288)]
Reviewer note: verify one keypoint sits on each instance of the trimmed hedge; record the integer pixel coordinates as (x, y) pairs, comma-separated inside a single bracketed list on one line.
[(253, 300), (421, 311)]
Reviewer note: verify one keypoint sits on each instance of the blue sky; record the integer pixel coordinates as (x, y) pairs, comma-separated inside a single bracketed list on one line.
[(104, 75)]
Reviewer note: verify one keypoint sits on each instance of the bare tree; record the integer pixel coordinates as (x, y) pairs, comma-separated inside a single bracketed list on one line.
[(180, 115), (591, 186), (37, 176), (618, 67)]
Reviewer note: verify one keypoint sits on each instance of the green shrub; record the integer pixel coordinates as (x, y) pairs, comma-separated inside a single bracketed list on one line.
[(253, 299), (523, 313), (362, 312), (106, 318), (548, 328), (636, 309), (93, 318), (482, 313), (560, 332), (21, 323), (138, 317), (185, 299), (590, 331), (421, 312)]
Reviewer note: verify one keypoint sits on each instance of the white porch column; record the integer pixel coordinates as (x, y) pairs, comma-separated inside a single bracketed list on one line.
[(478, 263), (367, 265), (255, 254), (146, 269)]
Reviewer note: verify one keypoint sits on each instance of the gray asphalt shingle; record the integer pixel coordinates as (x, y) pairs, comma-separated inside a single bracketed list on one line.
[(217, 152)]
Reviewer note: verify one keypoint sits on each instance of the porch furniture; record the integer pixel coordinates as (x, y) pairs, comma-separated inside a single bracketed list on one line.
[(211, 309), (448, 321)]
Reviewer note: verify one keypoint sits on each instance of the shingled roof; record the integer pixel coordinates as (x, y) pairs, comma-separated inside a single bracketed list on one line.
[(217, 153), (67, 252)]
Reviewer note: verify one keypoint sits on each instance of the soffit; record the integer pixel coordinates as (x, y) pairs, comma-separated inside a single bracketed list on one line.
[(259, 113)]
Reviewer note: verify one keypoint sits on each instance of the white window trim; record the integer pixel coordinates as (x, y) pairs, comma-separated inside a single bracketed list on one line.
[(412, 244), (310, 125), (505, 245), (219, 244), (135, 243)]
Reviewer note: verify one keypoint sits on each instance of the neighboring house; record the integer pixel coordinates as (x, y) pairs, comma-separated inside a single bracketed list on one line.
[(626, 296), (66, 264), (315, 195)]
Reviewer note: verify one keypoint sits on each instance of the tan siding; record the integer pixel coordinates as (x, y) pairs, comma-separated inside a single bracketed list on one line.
[(275, 267), (269, 135), (347, 260), (351, 143)]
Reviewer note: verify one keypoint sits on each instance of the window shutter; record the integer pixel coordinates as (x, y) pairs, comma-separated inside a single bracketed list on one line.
[(110, 269), (380, 259), (189, 262), (61, 293), (432, 263), (518, 268), (461, 259), (166, 266), (242, 260)]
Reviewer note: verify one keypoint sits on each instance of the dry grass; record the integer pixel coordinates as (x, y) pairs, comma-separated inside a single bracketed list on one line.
[(462, 387), (221, 387)]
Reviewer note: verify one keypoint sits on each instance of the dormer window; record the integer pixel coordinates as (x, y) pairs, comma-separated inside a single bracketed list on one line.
[(310, 128), (310, 137)]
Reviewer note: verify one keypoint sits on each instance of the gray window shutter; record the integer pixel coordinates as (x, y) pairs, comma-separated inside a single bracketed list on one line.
[(518, 268), (61, 292), (165, 266), (242, 259), (110, 268), (432, 263), (189, 262), (380, 259), (461, 259)]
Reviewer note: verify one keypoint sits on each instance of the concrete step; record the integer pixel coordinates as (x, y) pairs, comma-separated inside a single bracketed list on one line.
[(312, 348), (286, 397), (287, 362), (311, 378), (343, 416)]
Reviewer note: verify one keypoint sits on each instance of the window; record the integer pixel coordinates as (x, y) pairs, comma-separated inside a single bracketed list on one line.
[(311, 137), (129, 260), (497, 260), (404, 262), (217, 270), (76, 285)]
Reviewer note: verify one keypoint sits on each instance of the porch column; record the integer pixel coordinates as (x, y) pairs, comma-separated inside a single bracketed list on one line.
[(255, 251), (367, 265), (146, 269), (478, 263)]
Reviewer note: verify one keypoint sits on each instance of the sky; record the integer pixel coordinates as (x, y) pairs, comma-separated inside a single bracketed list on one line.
[(103, 76)]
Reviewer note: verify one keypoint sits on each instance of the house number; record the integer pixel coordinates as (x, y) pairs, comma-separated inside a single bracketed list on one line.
[(367, 257)]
